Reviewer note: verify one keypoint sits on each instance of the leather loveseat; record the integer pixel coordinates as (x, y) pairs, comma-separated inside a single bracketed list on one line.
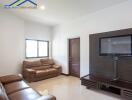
[(12, 87), (40, 69)]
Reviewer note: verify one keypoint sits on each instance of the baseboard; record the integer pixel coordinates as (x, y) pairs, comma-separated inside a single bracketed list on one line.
[(64, 74)]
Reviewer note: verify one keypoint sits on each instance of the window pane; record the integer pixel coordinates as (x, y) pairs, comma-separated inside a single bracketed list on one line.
[(31, 48), (43, 48)]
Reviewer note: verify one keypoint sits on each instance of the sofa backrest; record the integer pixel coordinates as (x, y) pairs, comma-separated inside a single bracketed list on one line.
[(30, 64), (10, 78), (38, 63), (3, 95), (47, 61)]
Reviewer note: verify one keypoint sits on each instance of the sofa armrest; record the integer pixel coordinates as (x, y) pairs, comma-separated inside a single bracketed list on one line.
[(31, 71), (10, 78), (56, 66), (29, 74), (59, 68), (47, 97)]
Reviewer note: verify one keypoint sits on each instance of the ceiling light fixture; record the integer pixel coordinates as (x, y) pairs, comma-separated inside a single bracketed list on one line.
[(42, 7)]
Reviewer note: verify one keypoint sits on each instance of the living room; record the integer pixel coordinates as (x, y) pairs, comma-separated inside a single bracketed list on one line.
[(56, 22)]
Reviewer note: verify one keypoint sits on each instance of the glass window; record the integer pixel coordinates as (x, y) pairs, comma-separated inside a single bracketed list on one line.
[(43, 49), (37, 48)]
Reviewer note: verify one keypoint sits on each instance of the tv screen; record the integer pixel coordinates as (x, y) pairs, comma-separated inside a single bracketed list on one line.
[(120, 45)]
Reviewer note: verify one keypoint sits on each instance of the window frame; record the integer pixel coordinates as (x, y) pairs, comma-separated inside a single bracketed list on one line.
[(37, 48)]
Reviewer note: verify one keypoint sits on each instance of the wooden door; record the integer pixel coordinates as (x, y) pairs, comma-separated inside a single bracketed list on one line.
[(74, 57)]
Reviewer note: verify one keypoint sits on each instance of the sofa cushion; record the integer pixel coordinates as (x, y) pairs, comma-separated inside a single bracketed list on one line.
[(29, 64), (10, 78), (47, 61), (42, 67), (15, 86), (3, 95), (45, 72), (26, 94)]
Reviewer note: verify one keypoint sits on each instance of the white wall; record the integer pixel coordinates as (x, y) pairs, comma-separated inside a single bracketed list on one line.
[(11, 43), (108, 19), (13, 32), (40, 32)]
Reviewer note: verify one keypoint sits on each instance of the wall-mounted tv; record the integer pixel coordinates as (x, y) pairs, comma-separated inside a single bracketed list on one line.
[(116, 45)]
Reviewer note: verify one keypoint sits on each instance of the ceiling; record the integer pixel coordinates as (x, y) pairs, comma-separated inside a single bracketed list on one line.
[(61, 11)]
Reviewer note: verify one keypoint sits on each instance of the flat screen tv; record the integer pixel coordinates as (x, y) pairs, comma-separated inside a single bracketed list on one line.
[(116, 45)]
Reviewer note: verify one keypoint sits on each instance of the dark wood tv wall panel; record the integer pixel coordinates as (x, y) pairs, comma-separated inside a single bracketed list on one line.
[(103, 65)]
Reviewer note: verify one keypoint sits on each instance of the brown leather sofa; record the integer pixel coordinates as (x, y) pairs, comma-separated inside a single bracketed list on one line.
[(12, 87), (40, 69)]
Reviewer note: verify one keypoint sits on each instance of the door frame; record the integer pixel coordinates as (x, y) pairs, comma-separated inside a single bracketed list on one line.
[(68, 51)]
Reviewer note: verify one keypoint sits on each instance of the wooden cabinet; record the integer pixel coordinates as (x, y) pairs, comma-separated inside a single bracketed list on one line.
[(126, 94), (88, 83), (121, 88)]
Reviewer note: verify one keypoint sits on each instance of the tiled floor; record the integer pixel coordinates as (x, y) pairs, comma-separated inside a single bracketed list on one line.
[(69, 88)]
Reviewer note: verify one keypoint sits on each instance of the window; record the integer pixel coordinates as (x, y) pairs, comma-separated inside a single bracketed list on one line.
[(37, 48), (31, 48)]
